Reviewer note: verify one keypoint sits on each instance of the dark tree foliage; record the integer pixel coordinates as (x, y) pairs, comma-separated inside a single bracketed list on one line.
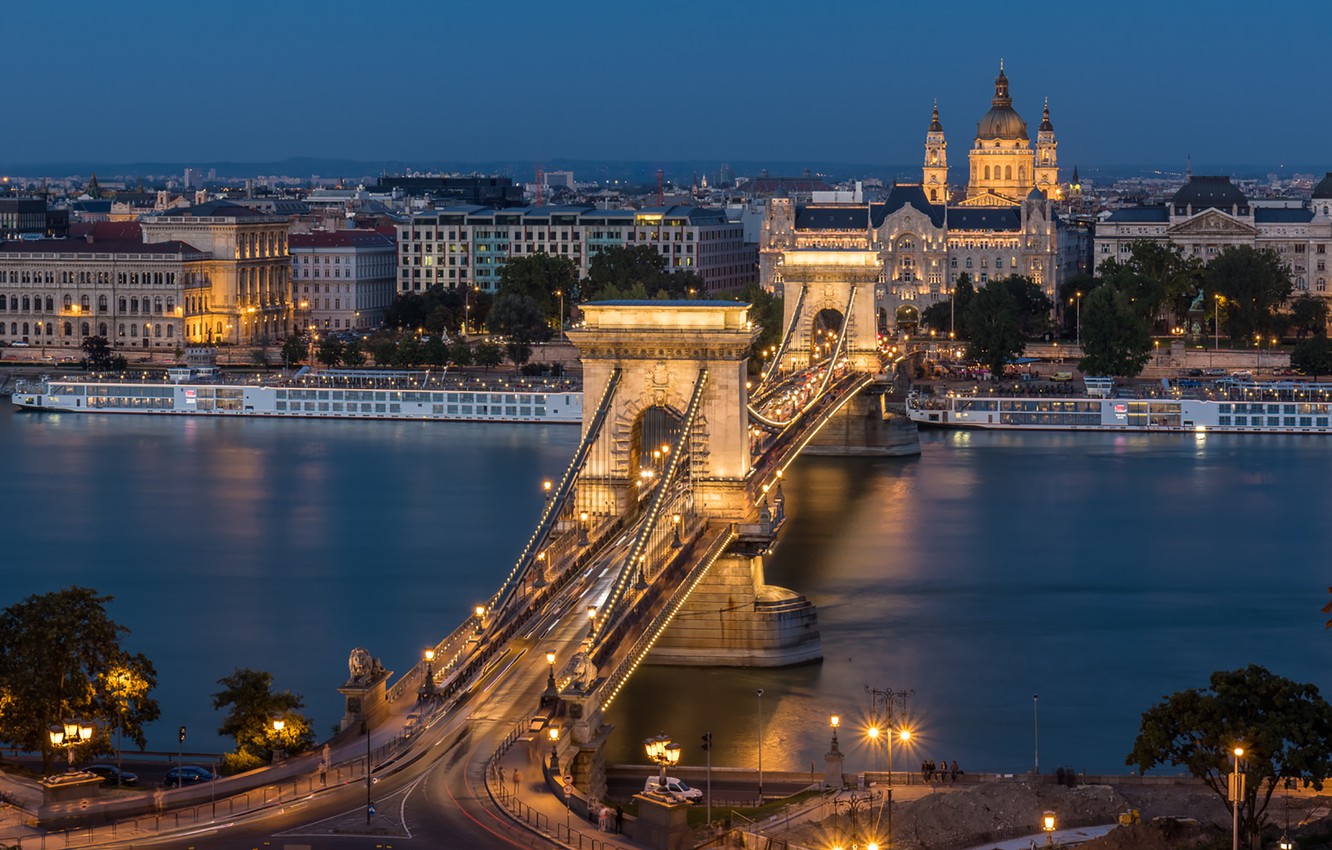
[(1254, 284), (519, 319), (1308, 315), (1312, 356), (994, 324), (460, 354), (353, 354), (294, 350), (1116, 339), (97, 353), (252, 707), (539, 278), (488, 354), (636, 272), (765, 312), (330, 351), (62, 659), (1284, 728), (950, 316)]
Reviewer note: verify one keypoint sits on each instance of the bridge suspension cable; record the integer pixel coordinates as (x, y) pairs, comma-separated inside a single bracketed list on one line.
[(839, 347), (786, 337), (556, 504), (610, 609)]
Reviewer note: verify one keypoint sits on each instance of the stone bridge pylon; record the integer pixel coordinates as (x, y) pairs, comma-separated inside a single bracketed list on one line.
[(820, 288)]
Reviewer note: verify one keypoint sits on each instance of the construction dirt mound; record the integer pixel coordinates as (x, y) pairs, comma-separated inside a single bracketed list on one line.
[(1163, 834)]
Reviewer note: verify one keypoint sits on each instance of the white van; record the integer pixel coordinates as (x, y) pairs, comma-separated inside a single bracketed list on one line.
[(677, 788)]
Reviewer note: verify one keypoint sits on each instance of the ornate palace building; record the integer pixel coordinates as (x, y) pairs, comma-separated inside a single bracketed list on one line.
[(926, 238), (1209, 214)]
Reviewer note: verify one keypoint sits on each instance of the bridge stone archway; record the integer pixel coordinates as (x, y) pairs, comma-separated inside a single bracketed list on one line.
[(813, 281), (661, 349)]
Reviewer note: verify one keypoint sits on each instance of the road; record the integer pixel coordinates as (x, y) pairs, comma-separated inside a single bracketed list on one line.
[(438, 796)]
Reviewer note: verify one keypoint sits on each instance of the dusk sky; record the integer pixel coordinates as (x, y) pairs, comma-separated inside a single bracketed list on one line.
[(1128, 82)]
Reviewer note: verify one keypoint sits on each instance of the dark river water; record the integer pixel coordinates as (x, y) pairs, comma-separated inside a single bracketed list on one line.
[(1099, 571)]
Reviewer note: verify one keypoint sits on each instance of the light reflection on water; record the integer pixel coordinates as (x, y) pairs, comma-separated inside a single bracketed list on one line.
[(1101, 571)]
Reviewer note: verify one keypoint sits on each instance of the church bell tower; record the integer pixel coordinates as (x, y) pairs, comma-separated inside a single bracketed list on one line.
[(1047, 164), (936, 162)]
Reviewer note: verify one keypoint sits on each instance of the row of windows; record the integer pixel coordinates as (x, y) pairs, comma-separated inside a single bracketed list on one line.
[(24, 329), (24, 303)]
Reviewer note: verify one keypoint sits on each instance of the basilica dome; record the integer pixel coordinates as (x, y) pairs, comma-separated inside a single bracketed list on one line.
[(1002, 121)]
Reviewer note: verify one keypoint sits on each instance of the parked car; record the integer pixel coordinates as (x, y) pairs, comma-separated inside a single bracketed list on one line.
[(109, 773), (1216, 373), (677, 788), (18, 343), (187, 775), (1062, 376)]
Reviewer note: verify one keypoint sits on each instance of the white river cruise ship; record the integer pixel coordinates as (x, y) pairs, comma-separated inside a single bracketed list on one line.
[(337, 396), (1248, 407)]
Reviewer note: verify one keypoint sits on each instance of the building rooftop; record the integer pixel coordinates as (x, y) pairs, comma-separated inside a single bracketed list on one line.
[(82, 246), (340, 239), (1208, 191)]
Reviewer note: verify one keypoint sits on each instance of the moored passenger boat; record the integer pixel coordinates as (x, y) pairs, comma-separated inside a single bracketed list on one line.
[(336, 397)]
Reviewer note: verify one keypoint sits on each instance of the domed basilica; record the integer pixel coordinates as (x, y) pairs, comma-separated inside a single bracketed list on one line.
[(925, 236)]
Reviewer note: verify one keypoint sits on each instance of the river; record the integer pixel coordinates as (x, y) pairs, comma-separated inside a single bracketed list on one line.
[(1100, 571)]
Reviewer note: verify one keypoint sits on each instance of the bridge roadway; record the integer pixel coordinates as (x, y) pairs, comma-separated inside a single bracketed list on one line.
[(439, 796), (437, 793)]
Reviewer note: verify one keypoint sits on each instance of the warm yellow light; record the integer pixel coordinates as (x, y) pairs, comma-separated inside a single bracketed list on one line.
[(554, 733), (550, 658), (591, 612), (546, 485), (873, 845), (1048, 821), (480, 611), (582, 516), (873, 732), (430, 655), (279, 725), (1239, 751), (835, 720), (904, 735)]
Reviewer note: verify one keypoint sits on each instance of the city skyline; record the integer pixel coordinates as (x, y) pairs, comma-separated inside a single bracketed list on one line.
[(1149, 85)]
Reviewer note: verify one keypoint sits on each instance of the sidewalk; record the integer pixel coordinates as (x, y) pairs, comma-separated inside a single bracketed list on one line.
[(1062, 838)]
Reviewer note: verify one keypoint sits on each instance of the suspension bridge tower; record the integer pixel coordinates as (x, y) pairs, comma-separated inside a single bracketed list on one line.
[(667, 356), (822, 291)]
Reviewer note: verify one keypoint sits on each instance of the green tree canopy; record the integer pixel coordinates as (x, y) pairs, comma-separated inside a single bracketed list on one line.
[(294, 350), (253, 706), (765, 311), (1254, 284), (519, 318), (944, 317), (636, 272), (1115, 336), (353, 354), (98, 353), (538, 277), (330, 351), (460, 354), (1284, 727), (488, 354), (1175, 279), (994, 324), (1312, 356), (1308, 315), (60, 649)]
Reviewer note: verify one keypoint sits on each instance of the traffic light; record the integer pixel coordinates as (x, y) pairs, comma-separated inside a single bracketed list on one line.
[(707, 741), (182, 734)]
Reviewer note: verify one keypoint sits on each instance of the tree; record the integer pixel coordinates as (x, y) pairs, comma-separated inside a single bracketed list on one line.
[(353, 355), (98, 354), (249, 722), (617, 270), (1071, 293), (259, 357), (1284, 727), (294, 350), (1116, 339), (519, 318), (539, 277), (408, 311), (383, 347), (1033, 306), (409, 352), (1312, 356), (460, 354), (1254, 284), (1178, 279), (765, 311), (60, 649), (1308, 315), (435, 351), (330, 351), (995, 327), (488, 354)]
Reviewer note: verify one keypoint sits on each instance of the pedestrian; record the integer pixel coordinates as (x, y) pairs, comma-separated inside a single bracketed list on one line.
[(955, 771), (515, 782), (619, 818), (499, 773), (925, 770)]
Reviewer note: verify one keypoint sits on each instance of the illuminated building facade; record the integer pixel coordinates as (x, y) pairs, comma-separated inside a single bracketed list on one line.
[(343, 279), (245, 295), (469, 245), (57, 293), (1005, 224), (1209, 214)]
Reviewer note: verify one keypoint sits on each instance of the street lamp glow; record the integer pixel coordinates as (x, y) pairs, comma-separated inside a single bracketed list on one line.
[(430, 655), (554, 733), (873, 733), (1048, 822), (1239, 751), (550, 657), (904, 735), (279, 725)]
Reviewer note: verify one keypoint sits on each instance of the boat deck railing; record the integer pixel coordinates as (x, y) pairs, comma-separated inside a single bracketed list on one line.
[(339, 380)]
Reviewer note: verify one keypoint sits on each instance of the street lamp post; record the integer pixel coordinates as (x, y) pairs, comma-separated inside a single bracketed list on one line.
[(552, 694), (1236, 796), (428, 682), (554, 733), (1036, 734), (661, 750), (69, 735), (278, 725), (760, 745), (1048, 824)]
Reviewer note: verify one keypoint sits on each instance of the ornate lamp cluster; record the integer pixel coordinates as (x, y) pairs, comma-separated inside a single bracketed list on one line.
[(662, 750)]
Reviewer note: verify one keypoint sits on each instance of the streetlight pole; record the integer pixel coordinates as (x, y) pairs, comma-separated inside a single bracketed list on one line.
[(1236, 796), (1036, 733), (760, 745)]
